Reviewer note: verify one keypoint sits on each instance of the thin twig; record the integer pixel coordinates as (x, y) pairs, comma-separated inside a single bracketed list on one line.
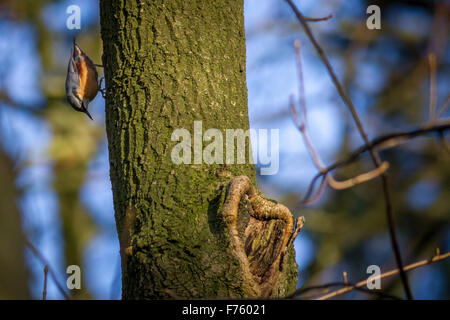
[(436, 257), (44, 292), (299, 223), (44, 262), (444, 107), (307, 200), (347, 286), (375, 157), (344, 276), (433, 85), (301, 83), (309, 19)]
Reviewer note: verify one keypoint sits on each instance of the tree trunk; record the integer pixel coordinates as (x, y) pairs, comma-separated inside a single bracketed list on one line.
[(168, 64)]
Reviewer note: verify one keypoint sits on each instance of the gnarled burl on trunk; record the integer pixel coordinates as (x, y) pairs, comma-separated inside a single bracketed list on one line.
[(261, 234)]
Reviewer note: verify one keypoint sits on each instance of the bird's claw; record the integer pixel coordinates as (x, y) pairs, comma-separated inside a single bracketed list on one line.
[(102, 90)]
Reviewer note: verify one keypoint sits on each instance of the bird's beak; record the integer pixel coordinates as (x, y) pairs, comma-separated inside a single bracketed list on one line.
[(84, 106), (89, 115)]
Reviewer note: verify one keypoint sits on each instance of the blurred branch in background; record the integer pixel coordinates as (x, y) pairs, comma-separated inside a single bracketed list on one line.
[(385, 142), (375, 157), (46, 267), (390, 140)]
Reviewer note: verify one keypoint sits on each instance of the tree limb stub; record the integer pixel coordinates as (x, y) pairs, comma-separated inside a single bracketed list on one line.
[(268, 234)]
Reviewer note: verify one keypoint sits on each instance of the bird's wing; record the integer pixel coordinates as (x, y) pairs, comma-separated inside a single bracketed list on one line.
[(73, 82), (72, 78)]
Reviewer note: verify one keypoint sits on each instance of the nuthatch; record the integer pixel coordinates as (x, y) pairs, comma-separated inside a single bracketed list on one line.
[(82, 80)]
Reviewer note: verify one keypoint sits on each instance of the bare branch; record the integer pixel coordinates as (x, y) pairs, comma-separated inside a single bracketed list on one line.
[(364, 177), (436, 257)]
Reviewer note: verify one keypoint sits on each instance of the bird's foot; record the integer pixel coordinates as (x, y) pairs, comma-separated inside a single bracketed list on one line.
[(102, 90)]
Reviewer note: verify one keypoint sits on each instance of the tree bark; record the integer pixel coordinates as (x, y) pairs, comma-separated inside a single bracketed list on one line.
[(168, 64)]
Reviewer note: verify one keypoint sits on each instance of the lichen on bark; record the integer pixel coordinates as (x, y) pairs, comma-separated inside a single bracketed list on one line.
[(168, 64)]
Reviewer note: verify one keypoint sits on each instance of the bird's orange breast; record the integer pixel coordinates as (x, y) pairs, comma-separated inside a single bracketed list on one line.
[(88, 80)]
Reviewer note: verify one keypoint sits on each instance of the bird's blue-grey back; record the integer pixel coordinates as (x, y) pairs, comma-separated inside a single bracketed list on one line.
[(72, 84)]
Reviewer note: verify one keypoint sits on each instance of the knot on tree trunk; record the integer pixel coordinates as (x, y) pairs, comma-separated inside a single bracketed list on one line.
[(261, 231)]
